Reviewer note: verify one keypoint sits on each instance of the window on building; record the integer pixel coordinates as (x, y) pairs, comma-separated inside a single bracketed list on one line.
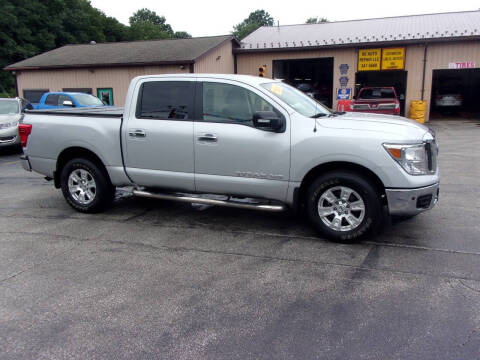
[(231, 104), (81, 90), (34, 95), (168, 100), (106, 95)]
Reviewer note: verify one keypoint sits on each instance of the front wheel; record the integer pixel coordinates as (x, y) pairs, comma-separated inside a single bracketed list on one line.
[(343, 206), (86, 186)]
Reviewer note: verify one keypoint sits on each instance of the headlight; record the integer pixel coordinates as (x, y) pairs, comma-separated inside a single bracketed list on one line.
[(8, 125), (412, 158)]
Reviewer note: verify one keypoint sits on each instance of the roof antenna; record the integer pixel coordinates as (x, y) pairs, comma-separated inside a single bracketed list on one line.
[(315, 116)]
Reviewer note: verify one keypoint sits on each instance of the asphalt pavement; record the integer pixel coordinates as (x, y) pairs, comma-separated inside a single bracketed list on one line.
[(162, 280)]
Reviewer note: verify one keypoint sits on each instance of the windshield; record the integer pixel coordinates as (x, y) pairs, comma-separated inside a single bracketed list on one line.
[(88, 100), (376, 93), (9, 107), (302, 103)]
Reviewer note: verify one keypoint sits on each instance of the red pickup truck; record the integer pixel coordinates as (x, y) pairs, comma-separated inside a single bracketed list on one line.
[(378, 100)]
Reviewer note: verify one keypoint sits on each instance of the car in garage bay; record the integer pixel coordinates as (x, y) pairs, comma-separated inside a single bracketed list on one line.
[(379, 100)]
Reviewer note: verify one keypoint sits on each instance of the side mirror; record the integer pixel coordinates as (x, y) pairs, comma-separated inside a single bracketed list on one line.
[(68, 103), (28, 106), (269, 121)]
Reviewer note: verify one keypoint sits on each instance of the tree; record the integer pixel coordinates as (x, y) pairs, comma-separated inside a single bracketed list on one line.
[(255, 20), (146, 16), (182, 35), (144, 30), (316, 20), (30, 27)]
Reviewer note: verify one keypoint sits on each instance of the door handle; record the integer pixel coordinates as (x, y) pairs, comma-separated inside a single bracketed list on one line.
[(137, 133), (208, 137)]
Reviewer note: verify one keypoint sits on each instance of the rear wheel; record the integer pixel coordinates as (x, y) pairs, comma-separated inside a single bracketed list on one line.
[(343, 206), (86, 186)]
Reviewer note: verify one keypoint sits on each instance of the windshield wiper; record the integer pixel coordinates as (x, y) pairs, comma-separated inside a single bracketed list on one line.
[(318, 115)]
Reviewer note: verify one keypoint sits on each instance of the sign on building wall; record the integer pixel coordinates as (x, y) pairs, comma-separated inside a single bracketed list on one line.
[(344, 94), (393, 59), (369, 59), (381, 59), (461, 65)]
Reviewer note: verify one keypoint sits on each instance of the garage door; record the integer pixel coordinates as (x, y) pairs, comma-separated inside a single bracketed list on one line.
[(455, 94)]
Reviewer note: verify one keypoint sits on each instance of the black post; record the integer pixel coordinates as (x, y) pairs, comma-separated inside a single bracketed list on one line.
[(424, 70), (16, 83)]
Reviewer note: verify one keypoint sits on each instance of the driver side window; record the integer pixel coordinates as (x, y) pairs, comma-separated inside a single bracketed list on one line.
[(231, 104), (62, 98)]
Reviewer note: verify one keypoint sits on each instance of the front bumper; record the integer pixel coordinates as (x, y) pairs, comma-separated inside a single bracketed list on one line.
[(9, 137), (407, 202), (25, 163)]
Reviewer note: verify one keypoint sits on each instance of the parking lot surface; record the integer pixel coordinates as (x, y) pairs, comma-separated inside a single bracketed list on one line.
[(162, 280)]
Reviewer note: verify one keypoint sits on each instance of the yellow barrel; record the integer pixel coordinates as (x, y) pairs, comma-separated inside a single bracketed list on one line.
[(417, 110)]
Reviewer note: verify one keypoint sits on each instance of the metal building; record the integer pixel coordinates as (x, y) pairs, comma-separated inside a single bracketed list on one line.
[(107, 68), (422, 56)]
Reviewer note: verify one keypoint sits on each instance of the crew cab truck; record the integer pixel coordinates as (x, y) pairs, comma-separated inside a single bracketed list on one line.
[(55, 100), (259, 143), (377, 100)]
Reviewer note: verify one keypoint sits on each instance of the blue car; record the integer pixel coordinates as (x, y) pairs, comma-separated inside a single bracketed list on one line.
[(57, 100)]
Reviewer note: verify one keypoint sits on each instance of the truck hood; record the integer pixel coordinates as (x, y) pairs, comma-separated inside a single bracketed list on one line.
[(7, 118), (392, 124)]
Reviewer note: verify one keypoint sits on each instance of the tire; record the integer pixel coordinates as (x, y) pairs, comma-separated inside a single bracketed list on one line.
[(349, 204), (86, 186)]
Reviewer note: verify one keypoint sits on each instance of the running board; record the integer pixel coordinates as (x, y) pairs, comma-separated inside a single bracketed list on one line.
[(204, 201)]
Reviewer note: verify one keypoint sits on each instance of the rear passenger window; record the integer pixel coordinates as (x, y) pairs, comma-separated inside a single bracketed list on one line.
[(51, 100), (231, 104), (166, 100)]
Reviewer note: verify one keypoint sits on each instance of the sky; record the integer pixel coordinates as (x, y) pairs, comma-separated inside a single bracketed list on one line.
[(217, 17)]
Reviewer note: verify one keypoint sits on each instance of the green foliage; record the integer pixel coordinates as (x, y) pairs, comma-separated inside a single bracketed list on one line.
[(144, 16), (31, 27), (144, 30), (316, 20), (182, 35), (255, 20)]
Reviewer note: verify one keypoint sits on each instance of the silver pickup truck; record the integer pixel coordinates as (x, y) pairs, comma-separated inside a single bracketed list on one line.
[(239, 141)]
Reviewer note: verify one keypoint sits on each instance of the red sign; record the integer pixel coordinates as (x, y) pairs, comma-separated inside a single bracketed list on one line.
[(461, 65)]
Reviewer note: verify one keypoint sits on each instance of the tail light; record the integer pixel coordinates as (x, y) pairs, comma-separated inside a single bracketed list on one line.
[(438, 97), (24, 130), (459, 97)]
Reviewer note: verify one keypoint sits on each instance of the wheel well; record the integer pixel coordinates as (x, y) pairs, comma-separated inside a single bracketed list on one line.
[(72, 153), (332, 166)]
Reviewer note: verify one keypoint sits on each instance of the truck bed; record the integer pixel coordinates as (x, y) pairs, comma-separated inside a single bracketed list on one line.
[(103, 111)]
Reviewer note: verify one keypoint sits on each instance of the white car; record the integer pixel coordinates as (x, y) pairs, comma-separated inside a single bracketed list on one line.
[(10, 115), (448, 100)]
